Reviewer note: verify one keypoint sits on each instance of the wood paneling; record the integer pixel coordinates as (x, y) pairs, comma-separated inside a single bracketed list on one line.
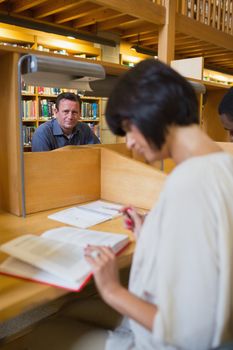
[(56, 179), (128, 181), (211, 122), (10, 175), (226, 146)]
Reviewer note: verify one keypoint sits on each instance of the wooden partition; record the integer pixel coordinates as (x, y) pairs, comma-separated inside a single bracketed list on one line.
[(226, 146), (57, 179), (169, 164), (10, 174), (211, 121), (128, 181)]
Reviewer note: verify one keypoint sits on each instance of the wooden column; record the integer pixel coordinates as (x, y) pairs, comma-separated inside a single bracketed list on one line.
[(166, 44), (10, 178)]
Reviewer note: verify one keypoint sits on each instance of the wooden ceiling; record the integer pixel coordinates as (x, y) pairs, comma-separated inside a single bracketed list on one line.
[(134, 21)]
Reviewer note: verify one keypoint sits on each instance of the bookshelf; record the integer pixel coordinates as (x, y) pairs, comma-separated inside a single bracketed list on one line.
[(38, 105)]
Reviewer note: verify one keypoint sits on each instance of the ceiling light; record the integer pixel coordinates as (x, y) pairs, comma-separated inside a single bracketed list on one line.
[(144, 50)]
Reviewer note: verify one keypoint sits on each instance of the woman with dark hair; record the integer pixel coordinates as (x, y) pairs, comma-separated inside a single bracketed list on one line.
[(180, 292)]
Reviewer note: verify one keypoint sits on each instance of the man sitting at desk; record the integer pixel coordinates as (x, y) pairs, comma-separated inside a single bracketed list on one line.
[(225, 111), (66, 128)]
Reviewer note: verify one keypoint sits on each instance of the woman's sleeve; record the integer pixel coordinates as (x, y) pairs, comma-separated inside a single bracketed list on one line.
[(186, 270)]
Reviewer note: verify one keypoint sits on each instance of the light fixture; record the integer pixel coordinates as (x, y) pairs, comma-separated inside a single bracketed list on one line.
[(144, 50), (52, 72)]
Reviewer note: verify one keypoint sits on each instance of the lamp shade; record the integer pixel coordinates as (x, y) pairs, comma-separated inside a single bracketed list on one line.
[(53, 72)]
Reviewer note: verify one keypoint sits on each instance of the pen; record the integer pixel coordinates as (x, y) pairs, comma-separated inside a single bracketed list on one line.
[(109, 208)]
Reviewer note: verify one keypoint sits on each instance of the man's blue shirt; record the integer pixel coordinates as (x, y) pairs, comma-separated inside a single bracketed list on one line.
[(49, 136)]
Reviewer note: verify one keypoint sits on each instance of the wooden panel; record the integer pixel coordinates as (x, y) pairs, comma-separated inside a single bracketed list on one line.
[(151, 12), (117, 147), (199, 30), (10, 193), (226, 146), (128, 181), (166, 43), (56, 179)]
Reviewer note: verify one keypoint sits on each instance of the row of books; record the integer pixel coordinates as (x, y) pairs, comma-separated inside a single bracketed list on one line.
[(30, 89), (29, 108), (90, 110), (46, 108), (28, 131), (42, 90)]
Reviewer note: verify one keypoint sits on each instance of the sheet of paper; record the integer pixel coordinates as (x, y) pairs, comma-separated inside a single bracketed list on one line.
[(87, 215), (82, 237), (62, 259)]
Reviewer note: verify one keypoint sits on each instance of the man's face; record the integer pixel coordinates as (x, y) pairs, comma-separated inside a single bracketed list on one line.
[(227, 124), (68, 114)]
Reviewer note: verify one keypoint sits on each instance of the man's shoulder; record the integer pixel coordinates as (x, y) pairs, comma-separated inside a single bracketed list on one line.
[(83, 126), (46, 126)]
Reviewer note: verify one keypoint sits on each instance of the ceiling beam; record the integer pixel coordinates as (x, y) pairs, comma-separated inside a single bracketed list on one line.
[(79, 11), (147, 11), (23, 5), (115, 22), (146, 36), (99, 15), (141, 29), (54, 7)]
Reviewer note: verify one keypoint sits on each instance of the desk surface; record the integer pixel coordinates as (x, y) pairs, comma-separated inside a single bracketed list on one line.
[(18, 296)]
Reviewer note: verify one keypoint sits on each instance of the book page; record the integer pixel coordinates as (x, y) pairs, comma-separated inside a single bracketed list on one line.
[(87, 215), (82, 237), (62, 259), (60, 251), (18, 268)]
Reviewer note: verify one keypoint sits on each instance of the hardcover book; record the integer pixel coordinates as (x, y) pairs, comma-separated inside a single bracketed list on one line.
[(57, 256)]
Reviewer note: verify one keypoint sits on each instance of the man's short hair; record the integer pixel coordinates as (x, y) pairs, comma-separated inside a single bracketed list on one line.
[(67, 96), (153, 97), (226, 104)]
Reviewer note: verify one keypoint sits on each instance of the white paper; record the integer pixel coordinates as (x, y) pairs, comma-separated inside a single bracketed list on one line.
[(87, 215)]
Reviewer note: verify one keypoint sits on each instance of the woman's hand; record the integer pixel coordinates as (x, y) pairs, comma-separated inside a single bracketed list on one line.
[(132, 219), (105, 270)]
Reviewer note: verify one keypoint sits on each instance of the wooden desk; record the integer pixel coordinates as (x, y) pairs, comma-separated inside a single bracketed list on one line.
[(18, 296)]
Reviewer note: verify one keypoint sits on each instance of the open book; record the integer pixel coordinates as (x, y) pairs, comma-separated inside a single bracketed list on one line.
[(87, 215), (57, 256)]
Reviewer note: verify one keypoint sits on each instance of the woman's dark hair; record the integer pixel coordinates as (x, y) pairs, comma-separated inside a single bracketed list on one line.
[(226, 104), (152, 96), (67, 96)]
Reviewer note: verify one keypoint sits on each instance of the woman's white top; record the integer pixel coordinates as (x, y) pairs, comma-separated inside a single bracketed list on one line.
[(183, 261)]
